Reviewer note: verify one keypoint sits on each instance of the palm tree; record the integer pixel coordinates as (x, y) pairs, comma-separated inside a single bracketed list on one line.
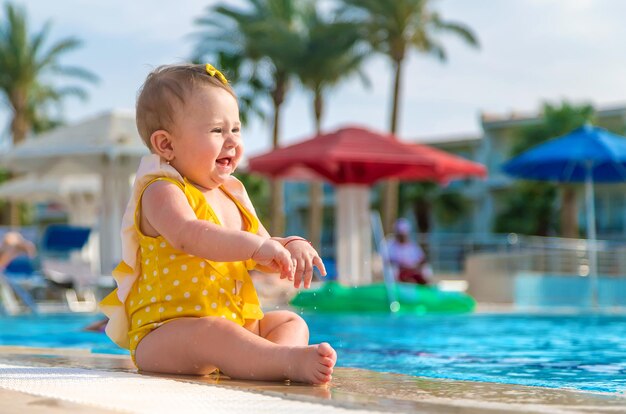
[(330, 52), (45, 106), (528, 208), (267, 35), (25, 62), (26, 65), (394, 28)]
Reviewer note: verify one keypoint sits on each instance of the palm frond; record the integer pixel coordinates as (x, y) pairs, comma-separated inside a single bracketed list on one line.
[(75, 72), (25, 59), (52, 54), (265, 33), (458, 29)]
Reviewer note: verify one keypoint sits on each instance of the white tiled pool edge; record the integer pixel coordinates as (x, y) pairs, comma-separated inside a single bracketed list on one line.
[(135, 393)]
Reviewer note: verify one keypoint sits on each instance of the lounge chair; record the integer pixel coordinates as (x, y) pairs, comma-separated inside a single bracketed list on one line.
[(59, 267)]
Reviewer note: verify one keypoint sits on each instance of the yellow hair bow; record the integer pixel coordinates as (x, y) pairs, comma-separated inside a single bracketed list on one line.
[(210, 69)]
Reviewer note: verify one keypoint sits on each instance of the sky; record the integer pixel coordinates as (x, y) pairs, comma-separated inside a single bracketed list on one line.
[(531, 51)]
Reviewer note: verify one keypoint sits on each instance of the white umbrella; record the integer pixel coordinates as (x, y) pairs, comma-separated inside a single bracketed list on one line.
[(107, 145), (78, 193), (35, 188)]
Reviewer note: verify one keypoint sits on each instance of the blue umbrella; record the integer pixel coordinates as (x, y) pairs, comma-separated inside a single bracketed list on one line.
[(588, 154)]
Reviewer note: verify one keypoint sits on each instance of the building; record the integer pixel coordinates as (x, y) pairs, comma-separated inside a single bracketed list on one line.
[(485, 197), (493, 148)]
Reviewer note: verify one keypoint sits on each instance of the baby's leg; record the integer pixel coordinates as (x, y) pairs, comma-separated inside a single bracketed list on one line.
[(197, 346), (288, 328), (282, 327)]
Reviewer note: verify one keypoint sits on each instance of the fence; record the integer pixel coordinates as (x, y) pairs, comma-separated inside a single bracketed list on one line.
[(533, 272), (448, 254)]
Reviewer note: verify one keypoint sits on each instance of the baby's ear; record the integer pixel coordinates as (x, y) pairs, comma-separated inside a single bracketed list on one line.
[(161, 142)]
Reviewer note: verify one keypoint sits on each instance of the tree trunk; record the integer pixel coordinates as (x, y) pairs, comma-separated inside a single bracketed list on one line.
[(19, 123), (15, 215), (569, 212), (390, 189), (316, 213), (19, 129), (422, 211), (277, 215), (390, 204), (316, 188), (393, 128)]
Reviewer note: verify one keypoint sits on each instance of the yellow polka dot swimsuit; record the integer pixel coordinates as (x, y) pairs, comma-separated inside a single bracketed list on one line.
[(172, 284)]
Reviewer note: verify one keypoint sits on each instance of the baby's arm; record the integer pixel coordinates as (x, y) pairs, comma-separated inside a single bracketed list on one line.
[(303, 255), (166, 211)]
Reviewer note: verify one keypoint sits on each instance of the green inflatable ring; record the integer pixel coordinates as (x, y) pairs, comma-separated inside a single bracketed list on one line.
[(411, 298)]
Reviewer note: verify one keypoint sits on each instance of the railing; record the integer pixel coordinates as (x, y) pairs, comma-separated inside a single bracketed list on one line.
[(448, 253)]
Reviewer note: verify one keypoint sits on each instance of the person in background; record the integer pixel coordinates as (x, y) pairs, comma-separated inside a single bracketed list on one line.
[(13, 245), (407, 256)]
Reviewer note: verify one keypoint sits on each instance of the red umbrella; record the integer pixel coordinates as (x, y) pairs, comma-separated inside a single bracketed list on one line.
[(354, 158), (447, 166), (358, 156)]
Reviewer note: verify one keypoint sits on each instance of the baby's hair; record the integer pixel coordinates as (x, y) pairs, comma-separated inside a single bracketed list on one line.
[(166, 88)]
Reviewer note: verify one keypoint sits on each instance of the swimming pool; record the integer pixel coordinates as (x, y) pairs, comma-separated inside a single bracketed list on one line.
[(586, 352)]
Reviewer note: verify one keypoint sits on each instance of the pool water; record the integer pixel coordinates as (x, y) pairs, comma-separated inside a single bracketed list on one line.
[(55, 331), (586, 352)]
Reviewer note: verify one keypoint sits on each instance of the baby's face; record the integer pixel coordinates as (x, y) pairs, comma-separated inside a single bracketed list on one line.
[(206, 138)]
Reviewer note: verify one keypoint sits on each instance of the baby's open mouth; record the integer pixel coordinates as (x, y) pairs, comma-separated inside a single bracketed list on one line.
[(226, 161)]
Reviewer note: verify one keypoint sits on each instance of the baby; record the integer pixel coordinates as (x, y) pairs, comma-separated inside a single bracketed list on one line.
[(185, 303)]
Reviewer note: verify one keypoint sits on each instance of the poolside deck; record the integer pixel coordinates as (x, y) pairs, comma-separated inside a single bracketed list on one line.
[(351, 391)]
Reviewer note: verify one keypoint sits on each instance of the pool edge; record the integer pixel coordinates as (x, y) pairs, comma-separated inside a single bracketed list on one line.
[(359, 389)]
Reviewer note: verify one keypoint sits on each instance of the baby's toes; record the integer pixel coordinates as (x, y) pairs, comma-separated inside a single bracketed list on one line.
[(324, 349), (326, 370), (322, 378), (328, 362)]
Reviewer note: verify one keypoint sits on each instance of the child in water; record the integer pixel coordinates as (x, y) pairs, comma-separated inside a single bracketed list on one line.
[(185, 303)]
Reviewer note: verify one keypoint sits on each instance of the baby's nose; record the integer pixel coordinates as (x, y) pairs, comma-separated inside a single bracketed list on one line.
[(231, 141)]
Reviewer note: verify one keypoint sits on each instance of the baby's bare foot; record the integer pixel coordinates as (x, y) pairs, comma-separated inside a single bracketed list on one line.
[(313, 364)]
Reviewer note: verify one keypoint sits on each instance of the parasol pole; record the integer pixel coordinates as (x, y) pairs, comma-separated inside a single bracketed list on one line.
[(388, 271), (591, 234), (353, 235)]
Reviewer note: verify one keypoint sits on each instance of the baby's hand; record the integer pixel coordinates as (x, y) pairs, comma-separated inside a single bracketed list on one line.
[(304, 257), (273, 255)]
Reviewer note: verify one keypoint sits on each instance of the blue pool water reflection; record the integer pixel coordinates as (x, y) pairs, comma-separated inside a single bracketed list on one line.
[(586, 352)]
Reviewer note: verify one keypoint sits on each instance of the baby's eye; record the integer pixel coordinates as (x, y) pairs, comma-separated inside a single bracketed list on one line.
[(217, 130), (235, 130)]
